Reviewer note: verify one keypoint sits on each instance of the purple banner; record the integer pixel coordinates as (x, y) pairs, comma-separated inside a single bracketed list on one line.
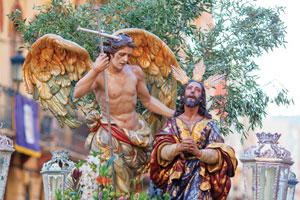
[(26, 126)]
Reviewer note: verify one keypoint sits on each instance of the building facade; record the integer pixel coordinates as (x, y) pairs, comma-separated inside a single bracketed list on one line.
[(24, 179)]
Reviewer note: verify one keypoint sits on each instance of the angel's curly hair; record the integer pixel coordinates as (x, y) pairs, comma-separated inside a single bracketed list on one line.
[(202, 105), (111, 46)]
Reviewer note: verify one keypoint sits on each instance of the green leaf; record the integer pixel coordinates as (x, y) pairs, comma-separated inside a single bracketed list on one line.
[(242, 32), (79, 164)]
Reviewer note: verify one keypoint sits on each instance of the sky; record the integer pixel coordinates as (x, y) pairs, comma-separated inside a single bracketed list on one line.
[(282, 66)]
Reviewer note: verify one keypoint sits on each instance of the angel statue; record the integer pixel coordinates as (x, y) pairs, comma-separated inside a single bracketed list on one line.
[(189, 158), (53, 64)]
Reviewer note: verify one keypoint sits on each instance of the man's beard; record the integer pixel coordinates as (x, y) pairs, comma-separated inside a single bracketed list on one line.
[(191, 103)]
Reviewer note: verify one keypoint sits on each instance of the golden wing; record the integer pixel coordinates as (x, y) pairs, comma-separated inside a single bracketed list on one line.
[(156, 59), (50, 67)]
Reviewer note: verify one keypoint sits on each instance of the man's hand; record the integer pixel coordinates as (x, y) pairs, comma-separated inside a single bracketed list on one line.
[(189, 145), (183, 146), (101, 63)]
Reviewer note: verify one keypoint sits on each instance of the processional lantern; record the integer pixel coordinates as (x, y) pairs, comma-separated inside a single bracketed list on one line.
[(55, 172), (266, 169), (6, 149)]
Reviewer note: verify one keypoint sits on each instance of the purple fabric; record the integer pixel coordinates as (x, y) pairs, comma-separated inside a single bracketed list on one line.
[(26, 123)]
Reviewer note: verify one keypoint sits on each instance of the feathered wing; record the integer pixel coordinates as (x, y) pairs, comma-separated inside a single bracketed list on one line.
[(156, 59), (50, 67)]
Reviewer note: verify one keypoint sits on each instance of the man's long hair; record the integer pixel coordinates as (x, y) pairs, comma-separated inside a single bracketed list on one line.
[(111, 46), (202, 105)]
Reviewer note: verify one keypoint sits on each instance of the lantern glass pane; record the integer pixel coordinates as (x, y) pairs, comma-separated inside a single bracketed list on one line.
[(283, 183), (266, 182), (4, 163), (17, 72), (290, 192), (52, 183), (249, 180), (2, 176), (1, 167)]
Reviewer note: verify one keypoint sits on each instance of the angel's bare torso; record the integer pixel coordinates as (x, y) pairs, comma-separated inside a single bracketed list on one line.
[(122, 92), (125, 82)]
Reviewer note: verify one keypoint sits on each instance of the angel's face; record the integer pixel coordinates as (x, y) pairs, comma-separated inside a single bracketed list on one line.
[(120, 58), (192, 95)]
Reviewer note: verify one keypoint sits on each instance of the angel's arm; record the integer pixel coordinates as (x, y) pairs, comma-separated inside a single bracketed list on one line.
[(88, 83), (150, 102)]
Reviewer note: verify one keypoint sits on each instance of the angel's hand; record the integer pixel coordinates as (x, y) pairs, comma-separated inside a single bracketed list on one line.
[(101, 63)]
